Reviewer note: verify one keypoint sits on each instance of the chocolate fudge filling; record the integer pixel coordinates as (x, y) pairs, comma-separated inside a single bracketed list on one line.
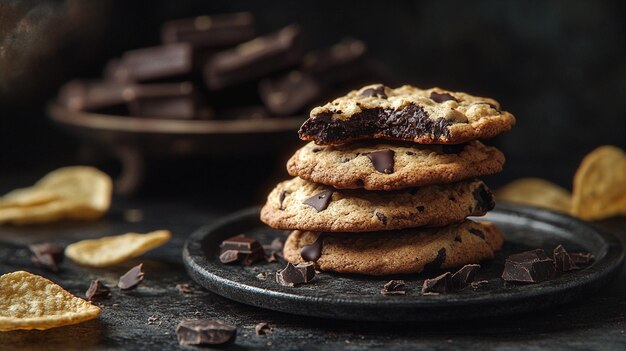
[(404, 124)]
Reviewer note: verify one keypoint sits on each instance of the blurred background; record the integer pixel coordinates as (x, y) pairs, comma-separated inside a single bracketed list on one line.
[(558, 66)]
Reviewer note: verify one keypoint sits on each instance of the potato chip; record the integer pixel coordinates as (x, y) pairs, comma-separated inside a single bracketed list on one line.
[(600, 184), (111, 250), (28, 301), (536, 192), (67, 193)]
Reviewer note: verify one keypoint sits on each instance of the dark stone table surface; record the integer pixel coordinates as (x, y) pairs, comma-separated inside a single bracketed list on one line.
[(598, 322)]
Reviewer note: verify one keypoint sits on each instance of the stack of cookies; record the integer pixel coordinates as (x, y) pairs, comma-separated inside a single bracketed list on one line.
[(388, 180)]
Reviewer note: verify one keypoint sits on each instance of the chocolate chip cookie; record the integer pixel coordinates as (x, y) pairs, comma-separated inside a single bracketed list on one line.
[(425, 116), (392, 166), (300, 204), (406, 251)]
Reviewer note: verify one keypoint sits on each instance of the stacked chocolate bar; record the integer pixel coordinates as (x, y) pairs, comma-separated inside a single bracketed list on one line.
[(212, 66), (388, 180)]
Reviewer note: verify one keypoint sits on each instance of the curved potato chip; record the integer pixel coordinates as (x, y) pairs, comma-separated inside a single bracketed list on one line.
[(28, 301), (111, 250), (600, 184), (67, 193), (536, 192)]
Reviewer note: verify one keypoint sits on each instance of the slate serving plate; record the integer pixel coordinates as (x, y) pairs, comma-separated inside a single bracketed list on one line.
[(354, 297)]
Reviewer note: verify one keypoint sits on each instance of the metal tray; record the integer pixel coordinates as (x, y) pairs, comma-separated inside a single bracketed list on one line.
[(355, 297)]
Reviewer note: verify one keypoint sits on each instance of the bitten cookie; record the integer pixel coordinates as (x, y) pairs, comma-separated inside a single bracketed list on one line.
[(406, 251), (300, 204), (430, 116), (392, 166)]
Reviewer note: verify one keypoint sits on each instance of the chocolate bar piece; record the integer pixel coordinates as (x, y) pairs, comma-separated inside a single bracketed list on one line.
[(563, 262), (438, 285), (293, 275), (254, 59), (528, 267), (205, 332), (246, 249), (449, 283), (80, 95), (166, 100), (215, 31), (159, 62), (290, 93), (132, 278)]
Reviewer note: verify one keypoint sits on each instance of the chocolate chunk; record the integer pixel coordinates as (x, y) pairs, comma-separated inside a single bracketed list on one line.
[(464, 277), (184, 288), (458, 238), (87, 96), (293, 275), (172, 100), (420, 208), (528, 267), (320, 201), (317, 149), (562, 260), (97, 291), (263, 328), (479, 233), (581, 258), (378, 91), (341, 63), (47, 256), (289, 93), (254, 59), (159, 62), (452, 148), (406, 123), (484, 199), (215, 31), (441, 97), (410, 153), (205, 332), (313, 252), (382, 160), (132, 278), (437, 262), (438, 285), (394, 287), (230, 256), (381, 217), (281, 198)]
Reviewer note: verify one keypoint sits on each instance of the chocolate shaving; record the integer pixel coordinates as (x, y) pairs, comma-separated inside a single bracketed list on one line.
[(97, 291), (320, 201), (132, 278), (437, 285)]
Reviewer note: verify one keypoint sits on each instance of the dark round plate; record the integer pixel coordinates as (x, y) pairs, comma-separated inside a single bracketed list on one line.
[(358, 297)]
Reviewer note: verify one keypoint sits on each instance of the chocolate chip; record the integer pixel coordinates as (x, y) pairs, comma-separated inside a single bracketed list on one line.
[(420, 208), (281, 198), (528, 267), (293, 275), (439, 98), (438, 285), (263, 328), (464, 276), (230, 256), (97, 291), (453, 148), (394, 287), (382, 160), (492, 106), (581, 258), (479, 233), (437, 262), (205, 332), (313, 252), (47, 256), (132, 278), (320, 201), (381, 217), (378, 91), (484, 199), (317, 149), (360, 183), (410, 153), (458, 238), (451, 198), (562, 260), (184, 288)]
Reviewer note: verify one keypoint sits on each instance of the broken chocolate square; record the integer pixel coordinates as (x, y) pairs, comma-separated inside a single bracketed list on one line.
[(132, 278), (562, 260), (205, 332), (47, 256), (293, 275), (581, 258), (438, 285), (97, 291), (240, 248), (464, 276), (394, 287), (528, 267)]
